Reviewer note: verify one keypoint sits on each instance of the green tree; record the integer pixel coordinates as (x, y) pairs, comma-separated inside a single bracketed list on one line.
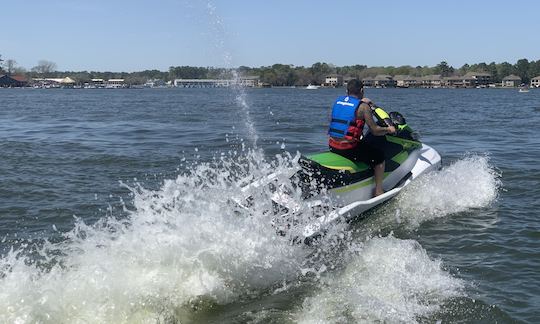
[(492, 69), (505, 69), (319, 71), (522, 69), (534, 69), (444, 69), (283, 75), (464, 69)]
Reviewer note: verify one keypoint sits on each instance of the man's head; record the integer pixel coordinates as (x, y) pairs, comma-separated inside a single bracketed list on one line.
[(355, 87)]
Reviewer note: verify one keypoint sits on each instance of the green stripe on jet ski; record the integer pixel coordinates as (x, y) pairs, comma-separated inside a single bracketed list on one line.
[(355, 186), (407, 144), (358, 185), (401, 157), (337, 162)]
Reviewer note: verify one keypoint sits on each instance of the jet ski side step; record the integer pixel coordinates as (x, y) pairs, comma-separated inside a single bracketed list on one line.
[(347, 212)]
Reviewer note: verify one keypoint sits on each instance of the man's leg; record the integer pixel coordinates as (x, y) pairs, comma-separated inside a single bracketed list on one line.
[(378, 171)]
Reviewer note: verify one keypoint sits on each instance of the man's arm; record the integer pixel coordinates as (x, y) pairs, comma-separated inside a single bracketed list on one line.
[(375, 129)]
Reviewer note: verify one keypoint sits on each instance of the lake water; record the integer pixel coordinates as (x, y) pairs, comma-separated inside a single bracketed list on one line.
[(114, 208)]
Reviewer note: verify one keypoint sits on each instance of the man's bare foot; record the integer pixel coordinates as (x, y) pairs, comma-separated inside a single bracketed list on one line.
[(377, 192)]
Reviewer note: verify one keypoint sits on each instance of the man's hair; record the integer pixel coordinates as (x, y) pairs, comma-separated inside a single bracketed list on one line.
[(354, 86)]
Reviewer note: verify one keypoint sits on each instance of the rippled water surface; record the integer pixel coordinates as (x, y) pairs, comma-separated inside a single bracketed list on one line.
[(115, 207)]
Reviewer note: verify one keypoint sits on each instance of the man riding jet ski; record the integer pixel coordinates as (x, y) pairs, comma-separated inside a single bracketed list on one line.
[(340, 184), (341, 189), (349, 115)]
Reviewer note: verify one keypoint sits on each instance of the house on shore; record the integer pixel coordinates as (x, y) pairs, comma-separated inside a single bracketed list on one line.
[(406, 81), (248, 81), (431, 81), (477, 79), (154, 83), (13, 81), (455, 81), (115, 84), (66, 82), (368, 82), (95, 83), (384, 81), (333, 80), (535, 82), (511, 81), (380, 81)]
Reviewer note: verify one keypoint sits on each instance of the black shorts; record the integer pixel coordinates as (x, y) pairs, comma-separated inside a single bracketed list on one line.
[(363, 152)]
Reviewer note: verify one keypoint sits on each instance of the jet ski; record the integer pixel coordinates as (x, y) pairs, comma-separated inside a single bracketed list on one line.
[(329, 188)]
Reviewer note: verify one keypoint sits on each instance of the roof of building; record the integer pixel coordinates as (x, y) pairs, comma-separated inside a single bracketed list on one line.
[(382, 77), (432, 77), (454, 77), (512, 77), (19, 78), (403, 77), (537, 77), (476, 74), (67, 80)]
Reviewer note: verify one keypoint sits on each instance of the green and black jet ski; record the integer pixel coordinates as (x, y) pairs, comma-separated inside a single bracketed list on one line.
[(343, 189)]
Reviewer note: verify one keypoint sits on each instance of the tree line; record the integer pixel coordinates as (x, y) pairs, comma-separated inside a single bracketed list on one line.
[(279, 74)]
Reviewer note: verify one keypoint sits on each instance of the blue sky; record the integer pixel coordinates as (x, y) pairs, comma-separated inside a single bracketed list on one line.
[(134, 35)]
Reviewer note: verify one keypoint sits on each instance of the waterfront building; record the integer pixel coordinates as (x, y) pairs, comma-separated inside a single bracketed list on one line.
[(511, 81), (66, 82), (201, 83), (368, 82), (384, 81), (155, 83), (468, 81), (96, 83), (406, 81), (115, 84), (455, 81), (431, 81), (333, 81), (250, 81), (535, 82), (477, 79), (13, 81)]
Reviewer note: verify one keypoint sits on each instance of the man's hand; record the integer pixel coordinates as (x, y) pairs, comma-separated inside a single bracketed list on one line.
[(367, 101), (391, 129)]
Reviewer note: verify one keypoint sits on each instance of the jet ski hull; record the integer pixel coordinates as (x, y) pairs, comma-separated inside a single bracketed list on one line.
[(360, 200)]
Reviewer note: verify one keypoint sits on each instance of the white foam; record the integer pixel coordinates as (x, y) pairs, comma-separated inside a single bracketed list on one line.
[(467, 184), (389, 280), (180, 243), (186, 242)]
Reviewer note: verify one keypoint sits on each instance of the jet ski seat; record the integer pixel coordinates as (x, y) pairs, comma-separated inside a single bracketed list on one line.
[(337, 162), (329, 170)]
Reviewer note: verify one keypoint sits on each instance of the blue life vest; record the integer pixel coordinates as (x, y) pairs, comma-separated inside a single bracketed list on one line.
[(344, 122)]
